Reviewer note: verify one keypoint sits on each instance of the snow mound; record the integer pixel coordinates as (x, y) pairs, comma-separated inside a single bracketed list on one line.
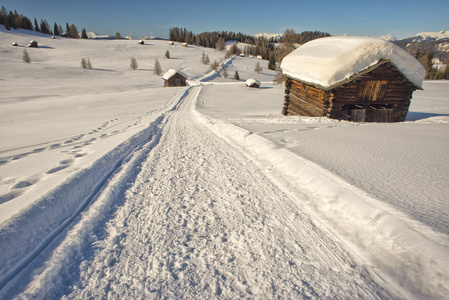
[(172, 72), (328, 61)]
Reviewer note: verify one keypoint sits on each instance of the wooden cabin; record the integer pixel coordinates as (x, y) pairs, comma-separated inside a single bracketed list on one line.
[(253, 83), (33, 44), (361, 83), (174, 78)]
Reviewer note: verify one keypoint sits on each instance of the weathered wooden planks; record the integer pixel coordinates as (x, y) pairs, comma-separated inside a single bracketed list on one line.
[(374, 91)]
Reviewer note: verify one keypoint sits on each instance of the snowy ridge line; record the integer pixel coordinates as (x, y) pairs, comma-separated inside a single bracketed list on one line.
[(407, 257), (26, 235)]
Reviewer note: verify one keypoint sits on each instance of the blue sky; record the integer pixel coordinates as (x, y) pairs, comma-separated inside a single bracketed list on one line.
[(401, 18)]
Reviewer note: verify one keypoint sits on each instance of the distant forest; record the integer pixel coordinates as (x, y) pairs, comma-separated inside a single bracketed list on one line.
[(15, 21), (266, 48)]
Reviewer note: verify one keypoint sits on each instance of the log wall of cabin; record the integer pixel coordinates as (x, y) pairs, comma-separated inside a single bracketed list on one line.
[(304, 100), (392, 90)]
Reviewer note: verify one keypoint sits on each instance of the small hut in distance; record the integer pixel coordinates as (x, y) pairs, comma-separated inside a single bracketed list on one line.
[(351, 78), (174, 78), (253, 83)]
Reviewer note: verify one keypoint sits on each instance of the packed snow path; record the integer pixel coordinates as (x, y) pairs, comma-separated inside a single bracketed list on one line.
[(199, 220)]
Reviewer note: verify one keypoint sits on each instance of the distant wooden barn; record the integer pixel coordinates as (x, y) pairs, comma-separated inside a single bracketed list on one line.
[(351, 78), (174, 78)]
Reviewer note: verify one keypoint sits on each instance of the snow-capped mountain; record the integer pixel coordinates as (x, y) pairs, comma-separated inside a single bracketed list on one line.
[(277, 36), (93, 35), (428, 37), (387, 37)]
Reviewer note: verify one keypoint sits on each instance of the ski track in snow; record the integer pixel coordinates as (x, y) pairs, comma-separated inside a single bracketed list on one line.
[(192, 217)]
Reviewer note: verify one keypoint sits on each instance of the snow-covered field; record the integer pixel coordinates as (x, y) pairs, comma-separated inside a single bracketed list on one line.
[(113, 186)]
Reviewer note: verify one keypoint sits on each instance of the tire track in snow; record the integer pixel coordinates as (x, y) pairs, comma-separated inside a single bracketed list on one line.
[(200, 220), (30, 238)]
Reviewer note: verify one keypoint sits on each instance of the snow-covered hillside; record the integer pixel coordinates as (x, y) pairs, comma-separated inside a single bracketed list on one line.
[(113, 186)]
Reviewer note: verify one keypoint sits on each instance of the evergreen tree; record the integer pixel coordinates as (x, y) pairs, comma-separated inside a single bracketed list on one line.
[(118, 36), (133, 64), (26, 56), (258, 68), (11, 20), (272, 63), (221, 44), (44, 27), (157, 68), (224, 73), (236, 76), (56, 29), (3, 15), (84, 34), (73, 32), (89, 64), (83, 63), (203, 58), (36, 26), (7, 26), (26, 23), (167, 54), (446, 72), (207, 60)]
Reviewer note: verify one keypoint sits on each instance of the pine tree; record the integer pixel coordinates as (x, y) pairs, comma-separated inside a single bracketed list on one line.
[(36, 26), (207, 60), (157, 68), (56, 30), (133, 63), (203, 58), (89, 64), (221, 44), (7, 26), (3, 15), (258, 68), (236, 76), (84, 34), (167, 54), (73, 32), (118, 36), (44, 27), (224, 73), (83, 63), (26, 56), (272, 63)]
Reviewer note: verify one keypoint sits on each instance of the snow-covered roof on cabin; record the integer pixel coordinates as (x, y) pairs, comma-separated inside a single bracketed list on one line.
[(251, 81), (172, 72), (328, 61)]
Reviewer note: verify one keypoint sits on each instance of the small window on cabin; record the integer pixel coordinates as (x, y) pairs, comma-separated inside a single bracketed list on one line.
[(372, 90)]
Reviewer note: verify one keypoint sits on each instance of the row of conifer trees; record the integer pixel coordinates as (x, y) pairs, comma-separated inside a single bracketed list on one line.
[(14, 20), (256, 46)]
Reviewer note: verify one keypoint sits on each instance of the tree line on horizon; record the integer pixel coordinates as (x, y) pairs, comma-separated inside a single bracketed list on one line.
[(14, 20), (262, 46)]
